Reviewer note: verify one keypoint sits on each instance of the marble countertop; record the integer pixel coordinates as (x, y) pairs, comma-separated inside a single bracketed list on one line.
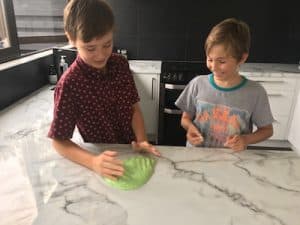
[(270, 68), (189, 185)]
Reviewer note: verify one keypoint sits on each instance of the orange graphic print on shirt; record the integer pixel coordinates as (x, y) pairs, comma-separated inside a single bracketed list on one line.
[(217, 122)]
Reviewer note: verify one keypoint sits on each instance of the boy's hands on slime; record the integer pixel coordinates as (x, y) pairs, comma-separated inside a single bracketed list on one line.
[(107, 165), (145, 146), (193, 135), (236, 142)]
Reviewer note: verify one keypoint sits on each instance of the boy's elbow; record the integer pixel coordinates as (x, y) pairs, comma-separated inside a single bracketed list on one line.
[(270, 131)]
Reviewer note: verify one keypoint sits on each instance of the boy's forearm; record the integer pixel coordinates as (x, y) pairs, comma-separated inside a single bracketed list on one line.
[(138, 124), (186, 121), (73, 152), (259, 135)]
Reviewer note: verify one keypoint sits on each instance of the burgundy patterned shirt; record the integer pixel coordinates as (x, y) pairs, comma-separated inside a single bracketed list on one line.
[(99, 103)]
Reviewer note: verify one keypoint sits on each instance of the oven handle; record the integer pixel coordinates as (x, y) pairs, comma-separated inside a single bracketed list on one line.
[(174, 86), (172, 111)]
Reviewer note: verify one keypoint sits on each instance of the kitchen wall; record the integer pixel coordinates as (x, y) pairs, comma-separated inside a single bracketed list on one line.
[(176, 30)]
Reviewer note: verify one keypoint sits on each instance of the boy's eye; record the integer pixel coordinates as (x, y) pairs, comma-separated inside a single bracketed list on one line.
[(91, 49), (107, 46), (221, 61)]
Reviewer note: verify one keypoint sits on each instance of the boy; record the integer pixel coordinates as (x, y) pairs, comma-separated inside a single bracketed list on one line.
[(97, 93), (220, 109)]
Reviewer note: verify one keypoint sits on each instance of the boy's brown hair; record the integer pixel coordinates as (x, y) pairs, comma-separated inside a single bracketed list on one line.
[(87, 19), (233, 34)]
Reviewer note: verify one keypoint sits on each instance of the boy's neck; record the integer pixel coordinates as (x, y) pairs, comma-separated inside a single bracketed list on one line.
[(231, 82), (103, 70)]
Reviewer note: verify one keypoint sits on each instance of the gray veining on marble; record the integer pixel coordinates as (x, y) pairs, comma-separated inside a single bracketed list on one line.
[(189, 186)]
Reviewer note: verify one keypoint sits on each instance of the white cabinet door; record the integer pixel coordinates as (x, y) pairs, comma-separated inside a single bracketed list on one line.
[(148, 89), (294, 133), (281, 91)]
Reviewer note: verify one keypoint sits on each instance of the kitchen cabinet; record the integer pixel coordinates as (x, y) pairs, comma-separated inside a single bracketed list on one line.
[(294, 132), (281, 89), (146, 76)]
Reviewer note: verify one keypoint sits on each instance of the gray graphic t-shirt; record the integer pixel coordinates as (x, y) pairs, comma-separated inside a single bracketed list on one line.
[(221, 112)]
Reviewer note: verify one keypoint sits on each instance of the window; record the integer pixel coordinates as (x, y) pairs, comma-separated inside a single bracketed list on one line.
[(9, 46), (40, 24)]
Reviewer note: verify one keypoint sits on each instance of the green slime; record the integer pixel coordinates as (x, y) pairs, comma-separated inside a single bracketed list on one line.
[(138, 170)]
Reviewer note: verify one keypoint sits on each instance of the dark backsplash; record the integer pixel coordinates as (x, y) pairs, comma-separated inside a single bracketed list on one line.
[(176, 30)]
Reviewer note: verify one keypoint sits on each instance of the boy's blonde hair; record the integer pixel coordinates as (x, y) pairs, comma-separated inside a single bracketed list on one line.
[(233, 34), (87, 19)]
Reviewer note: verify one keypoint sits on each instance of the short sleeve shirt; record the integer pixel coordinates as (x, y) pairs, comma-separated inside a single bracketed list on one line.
[(221, 112), (99, 103)]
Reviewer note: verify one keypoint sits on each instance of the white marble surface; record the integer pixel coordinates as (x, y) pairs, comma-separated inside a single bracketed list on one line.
[(189, 186), (271, 68)]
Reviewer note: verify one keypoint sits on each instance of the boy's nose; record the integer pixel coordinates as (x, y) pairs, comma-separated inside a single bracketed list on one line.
[(100, 56), (212, 66)]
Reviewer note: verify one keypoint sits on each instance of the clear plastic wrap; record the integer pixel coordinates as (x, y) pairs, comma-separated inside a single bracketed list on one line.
[(17, 201)]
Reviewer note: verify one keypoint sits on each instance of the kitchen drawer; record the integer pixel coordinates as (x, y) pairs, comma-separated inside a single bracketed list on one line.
[(276, 83), (279, 127), (280, 102)]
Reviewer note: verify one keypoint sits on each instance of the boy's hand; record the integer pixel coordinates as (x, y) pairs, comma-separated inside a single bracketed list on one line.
[(145, 146), (107, 165), (236, 142), (193, 135)]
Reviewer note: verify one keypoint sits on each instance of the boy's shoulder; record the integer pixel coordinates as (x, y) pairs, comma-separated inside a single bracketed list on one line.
[(200, 79), (254, 84), (118, 59)]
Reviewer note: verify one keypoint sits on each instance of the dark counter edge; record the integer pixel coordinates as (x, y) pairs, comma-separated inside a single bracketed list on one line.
[(19, 81), (22, 79)]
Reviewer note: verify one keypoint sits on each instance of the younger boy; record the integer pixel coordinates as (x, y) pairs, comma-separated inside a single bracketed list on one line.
[(220, 109)]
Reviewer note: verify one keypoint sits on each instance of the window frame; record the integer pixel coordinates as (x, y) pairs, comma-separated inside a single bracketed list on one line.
[(13, 51)]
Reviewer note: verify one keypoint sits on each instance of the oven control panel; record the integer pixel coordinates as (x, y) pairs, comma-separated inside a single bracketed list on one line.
[(178, 72)]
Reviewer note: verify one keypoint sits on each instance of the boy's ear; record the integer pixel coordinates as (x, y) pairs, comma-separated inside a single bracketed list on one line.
[(71, 42), (244, 58)]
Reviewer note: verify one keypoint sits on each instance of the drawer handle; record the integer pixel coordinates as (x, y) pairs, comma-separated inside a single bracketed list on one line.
[(172, 111), (153, 80), (275, 95), (270, 81), (174, 86)]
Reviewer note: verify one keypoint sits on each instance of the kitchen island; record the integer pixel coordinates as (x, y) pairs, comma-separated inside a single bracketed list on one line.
[(189, 185)]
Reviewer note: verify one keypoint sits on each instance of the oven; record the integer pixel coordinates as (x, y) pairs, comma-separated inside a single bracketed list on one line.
[(175, 75)]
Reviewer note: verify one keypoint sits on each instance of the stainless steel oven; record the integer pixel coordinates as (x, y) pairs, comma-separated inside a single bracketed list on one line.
[(175, 75)]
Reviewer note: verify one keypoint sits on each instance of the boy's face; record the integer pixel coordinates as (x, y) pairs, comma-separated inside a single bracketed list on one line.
[(96, 52), (223, 65)]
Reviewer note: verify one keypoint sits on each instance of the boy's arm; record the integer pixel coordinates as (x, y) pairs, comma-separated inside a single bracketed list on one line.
[(138, 123), (186, 120), (240, 142), (104, 164), (139, 131), (192, 133), (259, 135)]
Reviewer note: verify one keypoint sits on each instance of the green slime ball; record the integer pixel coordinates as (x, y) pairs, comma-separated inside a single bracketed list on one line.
[(138, 170)]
